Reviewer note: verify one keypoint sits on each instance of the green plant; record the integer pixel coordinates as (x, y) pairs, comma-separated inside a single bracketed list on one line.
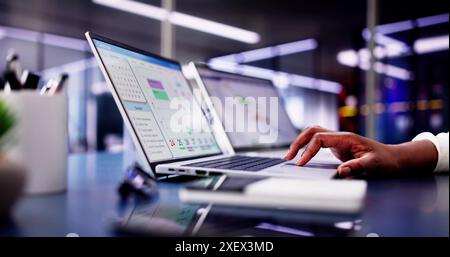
[(7, 122)]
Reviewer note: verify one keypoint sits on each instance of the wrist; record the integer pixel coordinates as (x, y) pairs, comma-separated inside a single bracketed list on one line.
[(419, 156)]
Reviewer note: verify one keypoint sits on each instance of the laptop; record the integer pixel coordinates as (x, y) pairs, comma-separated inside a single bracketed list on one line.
[(145, 88), (221, 84)]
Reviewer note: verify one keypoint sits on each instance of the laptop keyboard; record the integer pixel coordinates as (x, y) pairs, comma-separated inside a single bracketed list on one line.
[(238, 162)]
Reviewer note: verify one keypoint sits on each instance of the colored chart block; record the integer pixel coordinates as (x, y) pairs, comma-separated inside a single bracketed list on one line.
[(155, 84), (133, 106), (160, 95)]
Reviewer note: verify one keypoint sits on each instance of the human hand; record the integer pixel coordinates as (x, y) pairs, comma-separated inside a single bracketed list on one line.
[(362, 155)]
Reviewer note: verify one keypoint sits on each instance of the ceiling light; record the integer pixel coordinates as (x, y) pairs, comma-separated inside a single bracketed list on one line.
[(135, 7), (348, 58), (271, 51), (353, 58), (214, 28), (431, 44), (183, 20), (411, 24), (432, 20)]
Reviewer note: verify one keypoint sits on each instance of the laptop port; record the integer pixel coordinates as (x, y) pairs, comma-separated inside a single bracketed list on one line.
[(181, 170), (200, 172), (171, 169)]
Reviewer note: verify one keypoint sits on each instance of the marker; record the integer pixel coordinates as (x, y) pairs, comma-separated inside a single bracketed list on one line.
[(59, 84), (13, 64), (45, 89)]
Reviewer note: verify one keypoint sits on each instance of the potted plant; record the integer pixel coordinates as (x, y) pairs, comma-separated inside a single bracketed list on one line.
[(12, 175)]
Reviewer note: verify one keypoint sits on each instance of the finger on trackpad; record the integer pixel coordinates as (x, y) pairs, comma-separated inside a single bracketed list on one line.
[(318, 165)]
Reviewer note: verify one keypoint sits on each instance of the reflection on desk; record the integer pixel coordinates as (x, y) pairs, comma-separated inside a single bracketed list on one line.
[(417, 206)]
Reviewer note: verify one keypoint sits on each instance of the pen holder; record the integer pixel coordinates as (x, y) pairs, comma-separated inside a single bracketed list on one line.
[(39, 139)]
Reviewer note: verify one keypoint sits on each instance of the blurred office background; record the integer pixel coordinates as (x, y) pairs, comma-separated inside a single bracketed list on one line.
[(317, 56)]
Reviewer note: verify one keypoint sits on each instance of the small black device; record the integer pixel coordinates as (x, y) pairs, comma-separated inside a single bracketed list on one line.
[(13, 81), (30, 80), (2, 83), (137, 181)]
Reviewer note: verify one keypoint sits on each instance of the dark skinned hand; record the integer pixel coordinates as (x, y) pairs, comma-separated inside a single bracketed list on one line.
[(363, 155)]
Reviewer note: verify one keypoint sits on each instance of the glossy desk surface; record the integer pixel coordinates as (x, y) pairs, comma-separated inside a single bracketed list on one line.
[(394, 207)]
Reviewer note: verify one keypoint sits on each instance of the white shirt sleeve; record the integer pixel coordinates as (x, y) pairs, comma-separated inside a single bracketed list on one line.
[(441, 142)]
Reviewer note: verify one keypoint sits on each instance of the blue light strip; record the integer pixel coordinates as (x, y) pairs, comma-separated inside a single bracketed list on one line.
[(135, 55)]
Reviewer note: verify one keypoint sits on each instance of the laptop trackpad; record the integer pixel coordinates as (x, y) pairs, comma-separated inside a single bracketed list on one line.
[(314, 165)]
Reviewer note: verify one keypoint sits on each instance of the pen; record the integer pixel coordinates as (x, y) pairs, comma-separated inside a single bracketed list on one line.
[(58, 85), (13, 64), (13, 71), (47, 86)]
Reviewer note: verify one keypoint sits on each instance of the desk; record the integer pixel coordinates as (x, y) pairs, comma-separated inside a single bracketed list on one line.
[(394, 207)]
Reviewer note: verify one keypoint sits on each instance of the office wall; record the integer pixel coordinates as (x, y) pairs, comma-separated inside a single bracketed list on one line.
[(336, 26)]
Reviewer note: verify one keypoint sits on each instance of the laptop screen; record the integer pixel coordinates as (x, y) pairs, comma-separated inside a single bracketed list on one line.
[(148, 88), (222, 84)]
